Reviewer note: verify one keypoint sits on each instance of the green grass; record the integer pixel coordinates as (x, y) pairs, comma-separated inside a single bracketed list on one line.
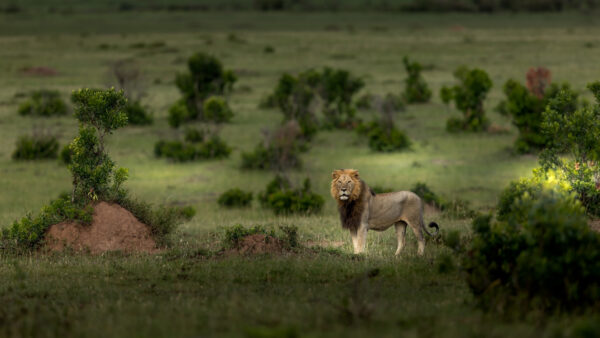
[(188, 295)]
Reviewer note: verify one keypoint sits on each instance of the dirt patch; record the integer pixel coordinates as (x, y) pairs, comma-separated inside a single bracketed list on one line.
[(595, 225), (258, 244), (113, 229), (38, 71)]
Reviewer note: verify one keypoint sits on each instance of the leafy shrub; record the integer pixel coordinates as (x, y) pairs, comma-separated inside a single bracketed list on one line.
[(381, 190), (282, 199), (205, 77), (44, 103), (574, 132), (543, 257), (365, 101), (280, 151), (290, 236), (427, 195), (235, 198), (468, 96), (217, 110), (29, 231), (137, 114), (66, 154), (384, 137), (337, 88), (269, 49), (235, 234), (415, 89), (212, 148), (36, 146), (194, 135), (526, 106)]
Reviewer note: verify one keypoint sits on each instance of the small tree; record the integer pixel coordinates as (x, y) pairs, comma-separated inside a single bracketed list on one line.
[(99, 113), (128, 77), (526, 106), (574, 132), (337, 89), (415, 89), (205, 77), (468, 96)]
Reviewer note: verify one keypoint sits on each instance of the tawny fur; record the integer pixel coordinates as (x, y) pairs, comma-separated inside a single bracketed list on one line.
[(361, 210)]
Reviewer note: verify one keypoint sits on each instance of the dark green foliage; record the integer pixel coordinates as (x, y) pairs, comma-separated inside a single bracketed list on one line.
[(235, 234), (415, 88), (365, 101), (217, 110), (384, 137), (290, 236), (543, 257), (293, 96), (495, 6), (575, 132), (427, 195), (468, 96), (211, 148), (269, 50), (380, 190), (526, 109), (513, 193), (29, 231), (137, 114), (44, 103), (188, 212), (66, 154), (235, 198), (36, 147), (455, 208), (280, 197), (194, 135), (205, 77), (337, 88)]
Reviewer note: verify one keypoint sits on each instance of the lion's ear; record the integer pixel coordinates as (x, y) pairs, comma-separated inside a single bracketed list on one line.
[(355, 175), (335, 174)]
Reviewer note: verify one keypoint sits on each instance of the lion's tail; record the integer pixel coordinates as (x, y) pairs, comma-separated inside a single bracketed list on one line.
[(432, 225)]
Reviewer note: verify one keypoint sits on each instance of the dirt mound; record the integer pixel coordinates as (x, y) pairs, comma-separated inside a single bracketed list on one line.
[(258, 244), (113, 228), (38, 71)]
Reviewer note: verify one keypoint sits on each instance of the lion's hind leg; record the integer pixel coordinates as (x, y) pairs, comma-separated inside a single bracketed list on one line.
[(418, 231), (400, 233)]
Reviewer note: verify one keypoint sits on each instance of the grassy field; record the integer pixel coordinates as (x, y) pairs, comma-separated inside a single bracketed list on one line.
[(188, 292)]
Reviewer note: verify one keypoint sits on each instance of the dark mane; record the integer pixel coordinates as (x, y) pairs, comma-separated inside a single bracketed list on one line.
[(351, 211)]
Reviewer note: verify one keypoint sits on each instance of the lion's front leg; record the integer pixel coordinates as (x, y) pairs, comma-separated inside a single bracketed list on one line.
[(361, 238), (354, 235)]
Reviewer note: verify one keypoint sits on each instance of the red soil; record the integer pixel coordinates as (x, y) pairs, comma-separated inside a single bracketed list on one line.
[(113, 229)]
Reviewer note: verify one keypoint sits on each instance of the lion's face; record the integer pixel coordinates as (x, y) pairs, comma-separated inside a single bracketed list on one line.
[(345, 185)]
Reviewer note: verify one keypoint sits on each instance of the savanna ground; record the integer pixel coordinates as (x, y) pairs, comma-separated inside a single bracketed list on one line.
[(187, 292)]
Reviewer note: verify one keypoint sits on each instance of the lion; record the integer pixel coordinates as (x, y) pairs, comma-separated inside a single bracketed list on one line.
[(361, 210)]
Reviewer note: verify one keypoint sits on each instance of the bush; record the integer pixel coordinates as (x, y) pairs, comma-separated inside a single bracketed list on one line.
[(543, 257), (337, 88), (36, 147), (384, 137), (282, 199), (415, 89), (137, 114), (526, 106), (468, 96), (205, 77), (574, 132), (235, 234), (279, 152), (44, 103), (66, 154), (235, 198), (213, 148), (29, 231), (217, 110)]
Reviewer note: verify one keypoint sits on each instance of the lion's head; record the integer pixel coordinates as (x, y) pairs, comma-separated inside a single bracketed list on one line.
[(346, 185)]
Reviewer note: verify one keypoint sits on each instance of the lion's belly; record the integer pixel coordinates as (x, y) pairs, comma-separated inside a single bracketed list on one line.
[(386, 209)]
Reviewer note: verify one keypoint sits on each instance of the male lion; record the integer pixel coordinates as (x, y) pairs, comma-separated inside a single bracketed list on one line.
[(361, 210)]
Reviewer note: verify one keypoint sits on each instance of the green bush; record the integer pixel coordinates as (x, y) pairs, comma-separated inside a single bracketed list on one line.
[(212, 148), (468, 96), (35, 147), (543, 257), (526, 109), (137, 114), (415, 88), (384, 137), (29, 231), (44, 103), (235, 234), (574, 132), (194, 135), (337, 88), (217, 110), (279, 152), (235, 198), (66, 154), (205, 77), (282, 199)]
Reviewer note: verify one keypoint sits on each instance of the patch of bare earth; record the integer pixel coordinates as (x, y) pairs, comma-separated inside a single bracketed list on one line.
[(113, 229), (258, 244)]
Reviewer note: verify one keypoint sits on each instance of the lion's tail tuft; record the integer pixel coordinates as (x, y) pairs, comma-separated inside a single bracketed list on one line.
[(433, 225)]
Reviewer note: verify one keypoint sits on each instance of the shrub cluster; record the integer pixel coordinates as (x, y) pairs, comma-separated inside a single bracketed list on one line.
[(235, 198), (468, 96), (206, 77), (543, 256), (45, 103), (526, 106), (280, 197), (128, 77), (235, 234), (415, 88), (36, 146), (137, 114), (280, 151), (384, 137), (190, 150)]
